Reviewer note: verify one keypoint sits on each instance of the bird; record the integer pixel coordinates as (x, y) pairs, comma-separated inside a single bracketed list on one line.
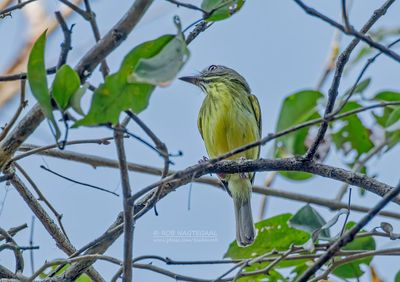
[(230, 117)]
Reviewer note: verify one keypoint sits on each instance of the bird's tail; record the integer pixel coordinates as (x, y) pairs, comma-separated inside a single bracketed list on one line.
[(241, 193)]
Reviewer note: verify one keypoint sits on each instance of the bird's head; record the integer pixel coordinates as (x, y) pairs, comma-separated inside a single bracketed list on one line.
[(217, 74)]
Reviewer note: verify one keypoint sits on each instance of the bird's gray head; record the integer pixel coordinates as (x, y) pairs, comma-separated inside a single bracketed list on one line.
[(216, 74)]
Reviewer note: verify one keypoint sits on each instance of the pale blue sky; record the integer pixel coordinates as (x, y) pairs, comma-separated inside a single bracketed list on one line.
[(276, 46)]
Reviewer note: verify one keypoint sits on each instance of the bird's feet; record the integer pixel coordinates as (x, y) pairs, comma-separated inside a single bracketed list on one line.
[(203, 160)]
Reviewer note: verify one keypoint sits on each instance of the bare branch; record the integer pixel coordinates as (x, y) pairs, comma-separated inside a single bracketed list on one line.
[(41, 197), (66, 45), (126, 192), (358, 35), (62, 241), (96, 161), (14, 230), (20, 5), (113, 38), (21, 106)]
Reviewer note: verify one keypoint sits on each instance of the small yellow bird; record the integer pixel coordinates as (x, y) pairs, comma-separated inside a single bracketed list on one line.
[(230, 117)]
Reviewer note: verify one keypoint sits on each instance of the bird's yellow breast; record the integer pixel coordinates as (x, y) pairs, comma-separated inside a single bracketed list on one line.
[(227, 121)]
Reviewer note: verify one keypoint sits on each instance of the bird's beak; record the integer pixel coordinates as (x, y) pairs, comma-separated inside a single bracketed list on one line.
[(191, 79)]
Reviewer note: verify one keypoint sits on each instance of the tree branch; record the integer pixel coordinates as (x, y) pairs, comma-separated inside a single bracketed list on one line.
[(126, 192)]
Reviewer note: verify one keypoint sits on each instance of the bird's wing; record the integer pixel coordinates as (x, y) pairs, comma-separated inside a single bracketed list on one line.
[(257, 110), (257, 113)]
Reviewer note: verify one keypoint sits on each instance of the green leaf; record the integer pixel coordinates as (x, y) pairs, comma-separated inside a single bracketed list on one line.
[(272, 233), (381, 119), (394, 138), (163, 67), (76, 98), (352, 269), (309, 220), (296, 108), (37, 78), (397, 277), (65, 84), (353, 133), (392, 122), (387, 96), (116, 94), (221, 9), (360, 87)]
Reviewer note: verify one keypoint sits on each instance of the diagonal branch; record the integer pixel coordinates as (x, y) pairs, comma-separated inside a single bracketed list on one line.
[(351, 31), (349, 235), (341, 62)]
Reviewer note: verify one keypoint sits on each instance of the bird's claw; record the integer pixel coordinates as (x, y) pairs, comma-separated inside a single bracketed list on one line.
[(203, 160)]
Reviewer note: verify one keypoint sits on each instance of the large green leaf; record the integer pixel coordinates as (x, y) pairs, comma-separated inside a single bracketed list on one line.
[(353, 133), (116, 94), (352, 269), (163, 67), (65, 84), (309, 220), (37, 78), (272, 233), (296, 108), (221, 9)]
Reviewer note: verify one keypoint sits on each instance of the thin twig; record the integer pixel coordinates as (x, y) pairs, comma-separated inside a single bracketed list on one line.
[(364, 69), (21, 106), (66, 45), (160, 146), (20, 5), (345, 17), (24, 75), (93, 24), (42, 198), (14, 230), (36, 150), (128, 216), (187, 5), (79, 182), (31, 244), (360, 164), (267, 184), (76, 9), (358, 35)]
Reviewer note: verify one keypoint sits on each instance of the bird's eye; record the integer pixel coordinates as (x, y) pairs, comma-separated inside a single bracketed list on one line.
[(212, 67)]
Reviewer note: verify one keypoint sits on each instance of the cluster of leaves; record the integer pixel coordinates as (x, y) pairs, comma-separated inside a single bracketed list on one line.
[(150, 64), (282, 231), (349, 134)]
